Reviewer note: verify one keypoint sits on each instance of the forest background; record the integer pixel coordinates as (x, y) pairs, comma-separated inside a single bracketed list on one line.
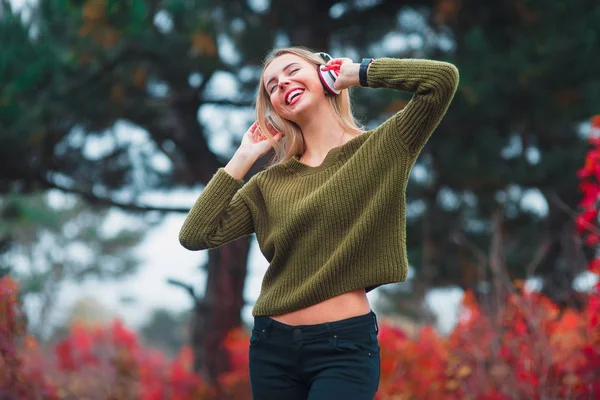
[(115, 114)]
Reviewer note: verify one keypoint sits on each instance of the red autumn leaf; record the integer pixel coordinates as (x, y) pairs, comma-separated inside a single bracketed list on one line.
[(64, 355), (123, 336), (585, 220), (592, 239), (594, 266)]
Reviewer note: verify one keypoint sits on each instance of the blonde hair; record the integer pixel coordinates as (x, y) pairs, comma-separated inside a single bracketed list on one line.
[(292, 142)]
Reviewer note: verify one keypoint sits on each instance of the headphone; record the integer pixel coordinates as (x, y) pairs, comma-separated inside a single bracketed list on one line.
[(327, 77)]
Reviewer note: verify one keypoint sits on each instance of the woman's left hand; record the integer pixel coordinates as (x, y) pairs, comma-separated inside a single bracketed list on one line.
[(347, 71)]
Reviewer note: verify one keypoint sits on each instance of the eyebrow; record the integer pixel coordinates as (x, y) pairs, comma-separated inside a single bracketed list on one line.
[(285, 68)]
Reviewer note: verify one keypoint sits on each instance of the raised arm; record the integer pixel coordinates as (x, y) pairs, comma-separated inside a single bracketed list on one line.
[(433, 84), (221, 214)]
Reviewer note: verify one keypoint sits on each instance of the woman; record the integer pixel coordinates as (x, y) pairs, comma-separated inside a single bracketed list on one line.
[(329, 216)]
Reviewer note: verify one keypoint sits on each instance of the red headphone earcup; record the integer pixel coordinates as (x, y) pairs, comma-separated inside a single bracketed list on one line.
[(328, 80)]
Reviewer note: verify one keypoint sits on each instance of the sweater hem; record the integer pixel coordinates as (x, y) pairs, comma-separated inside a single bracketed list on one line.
[(374, 283)]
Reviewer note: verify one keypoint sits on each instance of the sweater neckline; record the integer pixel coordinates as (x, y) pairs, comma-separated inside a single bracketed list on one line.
[(331, 158)]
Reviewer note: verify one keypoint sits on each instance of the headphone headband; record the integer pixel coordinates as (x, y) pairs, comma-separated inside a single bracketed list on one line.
[(326, 57)]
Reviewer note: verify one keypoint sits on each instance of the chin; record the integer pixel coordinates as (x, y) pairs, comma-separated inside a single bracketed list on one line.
[(302, 110)]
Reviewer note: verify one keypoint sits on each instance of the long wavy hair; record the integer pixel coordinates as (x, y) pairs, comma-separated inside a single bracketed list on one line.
[(292, 142)]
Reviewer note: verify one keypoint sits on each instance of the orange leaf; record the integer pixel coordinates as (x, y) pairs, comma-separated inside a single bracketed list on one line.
[(451, 385), (117, 93), (140, 76), (567, 98), (569, 321), (446, 10), (94, 10), (463, 371), (204, 45)]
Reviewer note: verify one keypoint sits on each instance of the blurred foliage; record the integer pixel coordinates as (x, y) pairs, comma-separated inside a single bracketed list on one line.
[(589, 176), (52, 244), (529, 350), (181, 71), (30, 224), (167, 331)]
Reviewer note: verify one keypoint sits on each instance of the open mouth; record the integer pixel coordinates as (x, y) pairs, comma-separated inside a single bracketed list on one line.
[(293, 96)]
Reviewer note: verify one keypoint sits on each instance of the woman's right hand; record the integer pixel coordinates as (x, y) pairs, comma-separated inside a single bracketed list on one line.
[(255, 144)]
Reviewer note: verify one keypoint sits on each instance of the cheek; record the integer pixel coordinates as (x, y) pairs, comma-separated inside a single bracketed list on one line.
[(276, 102), (273, 97), (311, 79)]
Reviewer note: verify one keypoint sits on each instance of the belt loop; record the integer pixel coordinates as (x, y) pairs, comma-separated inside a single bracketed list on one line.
[(266, 331), (332, 335), (375, 321)]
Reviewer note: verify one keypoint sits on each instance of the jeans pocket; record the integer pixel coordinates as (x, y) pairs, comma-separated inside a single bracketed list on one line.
[(365, 344)]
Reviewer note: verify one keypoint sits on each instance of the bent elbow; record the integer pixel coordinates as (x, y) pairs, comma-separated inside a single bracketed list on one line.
[(447, 84), (452, 75), (194, 242), (189, 244)]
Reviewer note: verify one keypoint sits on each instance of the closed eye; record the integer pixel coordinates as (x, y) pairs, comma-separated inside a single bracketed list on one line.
[(273, 87)]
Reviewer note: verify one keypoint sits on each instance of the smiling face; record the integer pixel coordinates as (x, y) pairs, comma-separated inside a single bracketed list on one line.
[(293, 86)]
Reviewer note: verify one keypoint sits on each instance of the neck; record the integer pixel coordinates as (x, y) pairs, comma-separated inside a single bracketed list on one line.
[(322, 132)]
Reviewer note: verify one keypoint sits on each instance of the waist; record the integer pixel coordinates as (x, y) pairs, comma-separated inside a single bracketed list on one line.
[(272, 327), (343, 306)]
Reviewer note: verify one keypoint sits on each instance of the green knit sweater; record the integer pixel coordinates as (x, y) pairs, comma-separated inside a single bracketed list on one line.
[(340, 226)]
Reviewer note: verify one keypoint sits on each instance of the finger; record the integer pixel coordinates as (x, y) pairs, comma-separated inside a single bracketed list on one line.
[(277, 137), (332, 68), (258, 133), (272, 129), (253, 127), (255, 133), (257, 137)]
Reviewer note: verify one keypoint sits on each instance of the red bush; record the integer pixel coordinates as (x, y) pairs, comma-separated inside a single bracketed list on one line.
[(528, 350), (19, 377)]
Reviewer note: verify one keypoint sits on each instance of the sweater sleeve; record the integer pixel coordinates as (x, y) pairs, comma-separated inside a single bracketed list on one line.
[(433, 84), (219, 215)]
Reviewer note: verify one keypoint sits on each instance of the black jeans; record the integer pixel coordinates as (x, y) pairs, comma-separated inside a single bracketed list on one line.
[(334, 360)]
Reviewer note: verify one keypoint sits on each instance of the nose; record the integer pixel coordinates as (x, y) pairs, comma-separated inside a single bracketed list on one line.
[(284, 82)]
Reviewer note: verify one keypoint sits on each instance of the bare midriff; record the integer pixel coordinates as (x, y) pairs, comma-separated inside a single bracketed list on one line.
[(346, 305)]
